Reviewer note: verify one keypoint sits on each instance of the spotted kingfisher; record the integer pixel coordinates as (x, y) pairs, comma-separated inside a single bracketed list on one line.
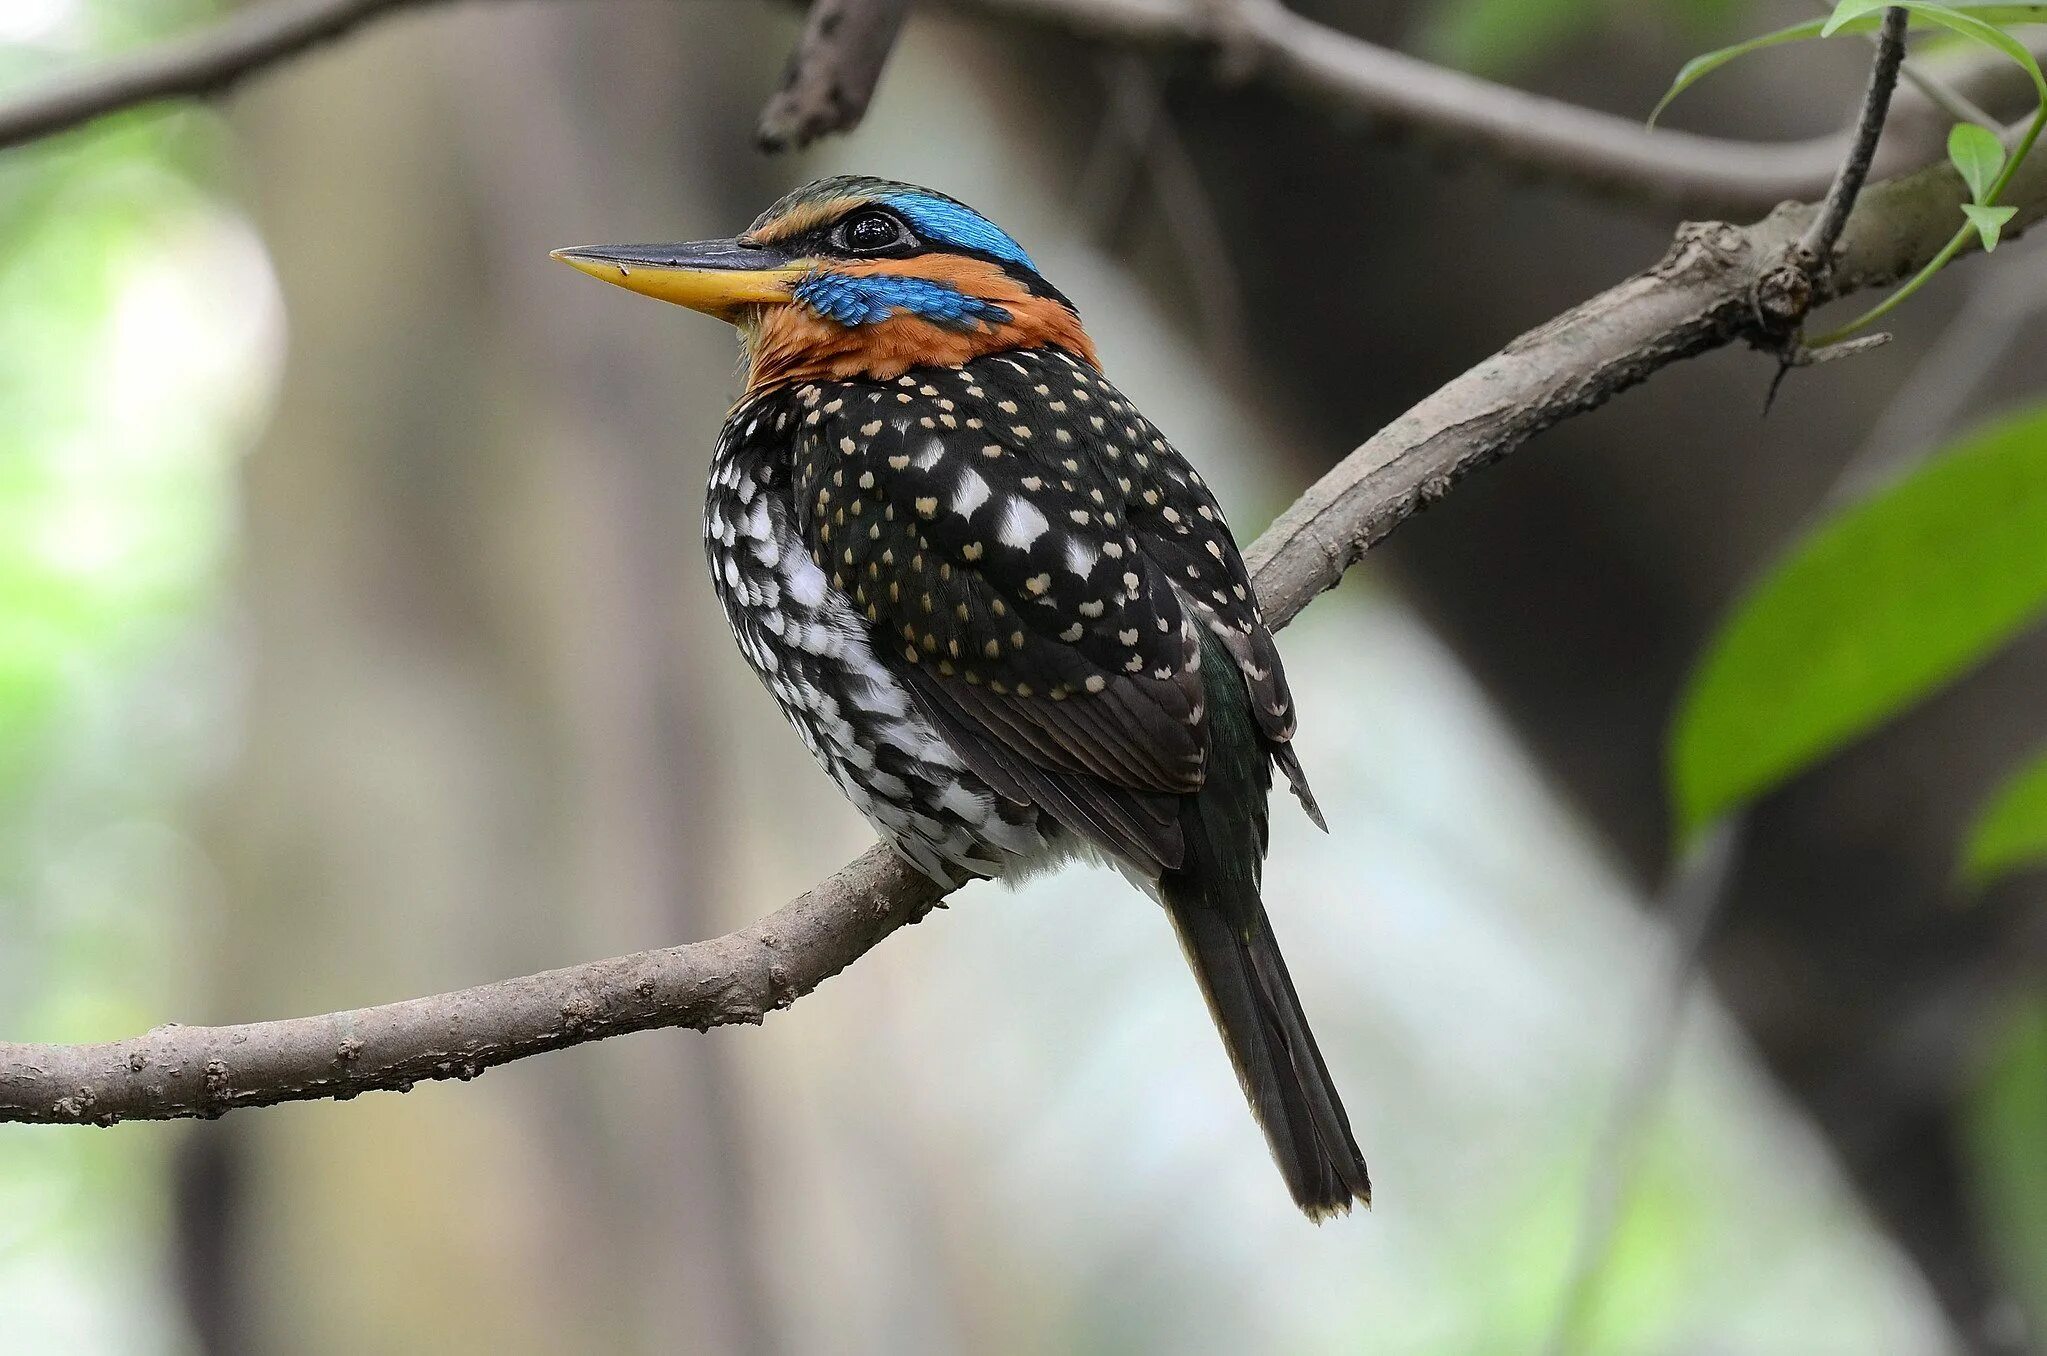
[(1004, 614)]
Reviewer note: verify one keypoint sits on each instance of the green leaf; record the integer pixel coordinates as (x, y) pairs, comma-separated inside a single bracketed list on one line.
[(1879, 607), (1868, 12), (1703, 65), (1977, 24), (1975, 21), (1988, 221), (1978, 154), (1847, 10), (2011, 829)]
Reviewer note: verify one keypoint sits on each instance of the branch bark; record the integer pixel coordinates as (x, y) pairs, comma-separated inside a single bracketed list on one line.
[(1820, 237), (831, 72), (1703, 294)]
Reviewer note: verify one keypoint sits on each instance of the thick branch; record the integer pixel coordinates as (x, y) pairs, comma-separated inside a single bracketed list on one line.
[(1701, 295), (832, 72)]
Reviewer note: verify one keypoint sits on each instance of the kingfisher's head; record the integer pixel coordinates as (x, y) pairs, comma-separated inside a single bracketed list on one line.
[(855, 277)]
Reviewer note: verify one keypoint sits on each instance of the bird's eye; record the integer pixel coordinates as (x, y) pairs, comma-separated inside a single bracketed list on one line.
[(870, 233)]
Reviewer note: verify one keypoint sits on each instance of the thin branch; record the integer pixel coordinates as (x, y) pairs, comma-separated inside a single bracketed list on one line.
[(1698, 297), (1557, 142), (1825, 231), (832, 71), (208, 62)]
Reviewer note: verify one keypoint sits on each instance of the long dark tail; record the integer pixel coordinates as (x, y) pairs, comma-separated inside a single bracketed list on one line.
[(1214, 902)]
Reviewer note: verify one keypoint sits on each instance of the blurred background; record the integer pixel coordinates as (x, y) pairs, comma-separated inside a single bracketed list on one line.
[(355, 644)]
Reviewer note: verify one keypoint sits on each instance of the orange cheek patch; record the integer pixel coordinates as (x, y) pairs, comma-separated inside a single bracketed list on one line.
[(794, 343)]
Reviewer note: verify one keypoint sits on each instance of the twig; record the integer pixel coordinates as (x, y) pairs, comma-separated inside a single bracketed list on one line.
[(1819, 240), (1698, 297), (1692, 901), (832, 71), (1937, 90), (207, 62), (1108, 175), (1138, 134)]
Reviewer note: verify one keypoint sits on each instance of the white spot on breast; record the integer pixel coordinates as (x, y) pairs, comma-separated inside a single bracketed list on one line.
[(970, 493), (1080, 556), (1022, 524), (933, 453)]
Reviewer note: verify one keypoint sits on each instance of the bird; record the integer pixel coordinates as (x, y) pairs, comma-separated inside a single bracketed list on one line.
[(1005, 615)]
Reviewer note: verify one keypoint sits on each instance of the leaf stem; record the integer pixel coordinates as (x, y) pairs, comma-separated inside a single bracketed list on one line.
[(1948, 251)]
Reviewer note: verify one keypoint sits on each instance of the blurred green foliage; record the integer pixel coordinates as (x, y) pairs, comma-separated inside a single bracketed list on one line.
[(1879, 607), (121, 399), (2009, 1111), (2011, 831), (1501, 37)]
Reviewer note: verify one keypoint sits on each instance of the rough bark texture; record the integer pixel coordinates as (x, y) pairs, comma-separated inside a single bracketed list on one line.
[(832, 72)]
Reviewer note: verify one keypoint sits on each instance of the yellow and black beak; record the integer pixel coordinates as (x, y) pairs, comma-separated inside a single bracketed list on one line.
[(718, 277)]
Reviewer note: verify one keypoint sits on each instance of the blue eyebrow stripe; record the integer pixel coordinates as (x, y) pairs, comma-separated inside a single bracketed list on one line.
[(864, 299), (950, 223)]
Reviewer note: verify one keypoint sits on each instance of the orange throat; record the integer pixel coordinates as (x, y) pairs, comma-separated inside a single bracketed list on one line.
[(792, 343)]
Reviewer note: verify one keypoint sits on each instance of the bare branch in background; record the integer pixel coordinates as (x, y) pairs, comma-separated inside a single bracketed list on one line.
[(1698, 297), (208, 62), (832, 71), (1557, 142), (1691, 903), (1554, 141)]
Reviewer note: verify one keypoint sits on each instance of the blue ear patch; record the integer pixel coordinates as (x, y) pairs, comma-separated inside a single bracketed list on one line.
[(866, 298), (951, 223)]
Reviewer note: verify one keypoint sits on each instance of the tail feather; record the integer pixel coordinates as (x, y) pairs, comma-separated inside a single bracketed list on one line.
[(1214, 900), (1255, 1007)]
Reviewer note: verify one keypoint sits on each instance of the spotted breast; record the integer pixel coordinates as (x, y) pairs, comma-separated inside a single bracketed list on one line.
[(906, 562)]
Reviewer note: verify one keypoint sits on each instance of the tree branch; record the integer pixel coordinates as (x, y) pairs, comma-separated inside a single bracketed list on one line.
[(831, 72), (1701, 295), (1820, 238), (1558, 142), (208, 62)]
